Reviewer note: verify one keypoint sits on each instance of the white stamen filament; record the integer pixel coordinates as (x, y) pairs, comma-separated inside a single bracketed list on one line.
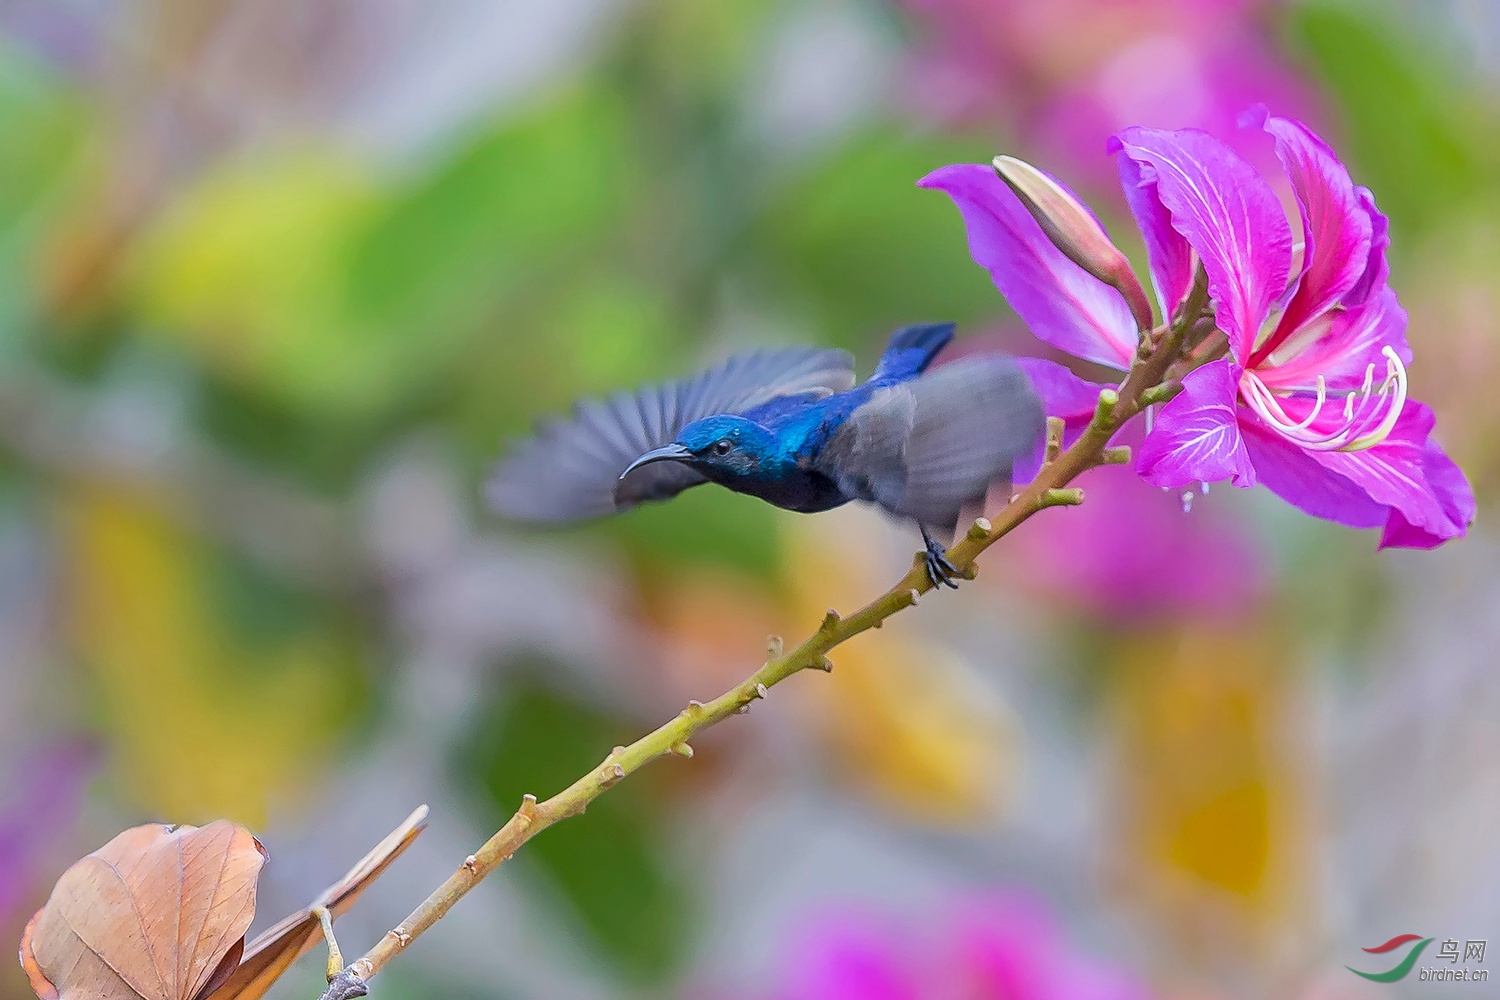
[(1356, 433), (1395, 376)]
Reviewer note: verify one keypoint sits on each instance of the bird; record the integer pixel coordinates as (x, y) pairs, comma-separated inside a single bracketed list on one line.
[(791, 427)]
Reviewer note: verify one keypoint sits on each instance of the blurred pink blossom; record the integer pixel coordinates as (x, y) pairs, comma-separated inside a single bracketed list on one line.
[(1005, 947), (1065, 74), (1137, 553), (39, 801)]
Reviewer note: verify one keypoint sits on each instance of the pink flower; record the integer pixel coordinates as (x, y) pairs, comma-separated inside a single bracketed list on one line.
[(42, 806), (1311, 399), (1105, 559), (1063, 73), (1002, 948)]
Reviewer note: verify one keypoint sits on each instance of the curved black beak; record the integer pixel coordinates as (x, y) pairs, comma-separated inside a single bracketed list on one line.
[(666, 453)]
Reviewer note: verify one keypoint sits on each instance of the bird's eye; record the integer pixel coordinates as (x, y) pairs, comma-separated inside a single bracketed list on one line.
[(723, 446)]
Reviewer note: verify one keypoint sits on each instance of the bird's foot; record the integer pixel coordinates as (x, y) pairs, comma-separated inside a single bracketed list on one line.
[(940, 571)]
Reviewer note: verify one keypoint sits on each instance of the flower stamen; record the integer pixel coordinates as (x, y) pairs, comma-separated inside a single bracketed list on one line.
[(1395, 379), (1364, 425)]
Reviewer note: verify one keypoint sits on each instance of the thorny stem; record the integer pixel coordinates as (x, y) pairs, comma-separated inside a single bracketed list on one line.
[(1050, 489)]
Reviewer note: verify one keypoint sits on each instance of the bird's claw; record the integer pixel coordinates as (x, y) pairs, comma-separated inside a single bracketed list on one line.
[(940, 571)]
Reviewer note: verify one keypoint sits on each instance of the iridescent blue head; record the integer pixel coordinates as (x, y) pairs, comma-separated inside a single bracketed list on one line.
[(725, 448)]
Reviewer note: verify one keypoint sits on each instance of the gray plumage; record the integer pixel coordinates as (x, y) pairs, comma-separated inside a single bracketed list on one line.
[(929, 448)]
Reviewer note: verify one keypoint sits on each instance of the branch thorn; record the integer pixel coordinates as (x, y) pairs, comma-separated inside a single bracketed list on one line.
[(1070, 497), (1055, 427), (1161, 393), (1104, 412)]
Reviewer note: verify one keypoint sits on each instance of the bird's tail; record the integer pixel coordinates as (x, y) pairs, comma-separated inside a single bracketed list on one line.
[(911, 350)]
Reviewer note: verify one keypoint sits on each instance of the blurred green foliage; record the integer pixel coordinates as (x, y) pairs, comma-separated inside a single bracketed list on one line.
[(43, 125), (306, 280), (1416, 135), (867, 249)]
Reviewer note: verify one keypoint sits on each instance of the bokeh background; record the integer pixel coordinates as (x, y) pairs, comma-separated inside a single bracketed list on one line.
[(278, 278)]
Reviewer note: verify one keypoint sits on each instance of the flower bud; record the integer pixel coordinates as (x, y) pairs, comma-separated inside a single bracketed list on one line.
[(1072, 228)]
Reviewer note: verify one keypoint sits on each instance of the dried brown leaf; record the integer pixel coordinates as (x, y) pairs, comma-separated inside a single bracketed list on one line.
[(158, 913), (273, 951)]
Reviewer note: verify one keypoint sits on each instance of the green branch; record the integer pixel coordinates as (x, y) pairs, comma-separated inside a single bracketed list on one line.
[(1141, 386)]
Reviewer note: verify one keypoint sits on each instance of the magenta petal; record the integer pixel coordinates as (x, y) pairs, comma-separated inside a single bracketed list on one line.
[(1377, 269), (1351, 340), (1336, 228), (1228, 214), (1169, 255), (1454, 494), (1064, 395), (1394, 473), (1062, 303), (1197, 435), (1404, 484), (1300, 480)]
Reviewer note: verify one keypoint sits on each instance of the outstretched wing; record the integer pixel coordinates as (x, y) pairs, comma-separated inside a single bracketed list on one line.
[(570, 470), (927, 448)]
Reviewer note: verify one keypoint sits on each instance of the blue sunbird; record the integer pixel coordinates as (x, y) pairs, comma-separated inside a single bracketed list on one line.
[(790, 426)]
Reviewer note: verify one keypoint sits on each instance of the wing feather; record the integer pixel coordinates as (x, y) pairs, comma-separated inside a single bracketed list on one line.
[(569, 470), (927, 448)]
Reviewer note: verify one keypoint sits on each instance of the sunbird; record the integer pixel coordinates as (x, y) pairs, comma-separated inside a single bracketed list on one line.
[(790, 426)]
